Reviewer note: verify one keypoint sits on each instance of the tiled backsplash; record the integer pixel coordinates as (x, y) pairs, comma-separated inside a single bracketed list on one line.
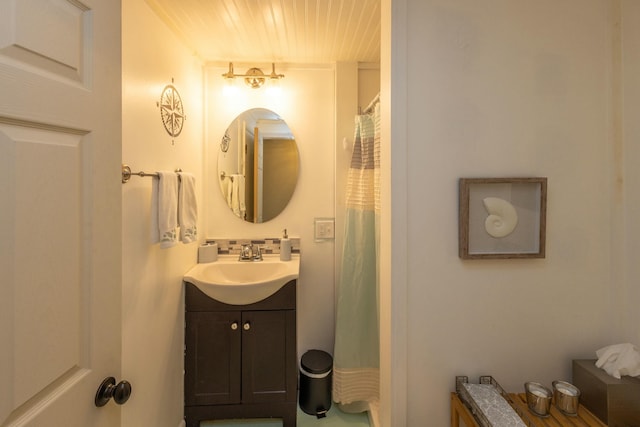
[(268, 246)]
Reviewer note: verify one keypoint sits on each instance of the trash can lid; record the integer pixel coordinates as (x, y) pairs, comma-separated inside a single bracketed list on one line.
[(316, 361)]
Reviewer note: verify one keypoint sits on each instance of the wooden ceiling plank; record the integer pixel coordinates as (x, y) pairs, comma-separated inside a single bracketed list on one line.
[(294, 31)]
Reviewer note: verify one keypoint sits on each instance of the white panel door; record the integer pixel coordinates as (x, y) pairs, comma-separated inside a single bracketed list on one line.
[(60, 211)]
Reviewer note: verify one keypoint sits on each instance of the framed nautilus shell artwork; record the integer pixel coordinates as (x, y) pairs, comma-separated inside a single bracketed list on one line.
[(502, 218)]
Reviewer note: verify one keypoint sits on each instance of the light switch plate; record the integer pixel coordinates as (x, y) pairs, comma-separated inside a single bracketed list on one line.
[(324, 229)]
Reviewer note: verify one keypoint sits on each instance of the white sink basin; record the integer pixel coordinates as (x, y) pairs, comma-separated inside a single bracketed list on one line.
[(243, 282)]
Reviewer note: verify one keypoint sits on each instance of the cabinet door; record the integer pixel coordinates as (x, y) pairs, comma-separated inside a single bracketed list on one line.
[(212, 358), (269, 369)]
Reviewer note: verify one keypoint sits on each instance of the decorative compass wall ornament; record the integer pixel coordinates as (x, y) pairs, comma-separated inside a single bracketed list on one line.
[(171, 110), (224, 145)]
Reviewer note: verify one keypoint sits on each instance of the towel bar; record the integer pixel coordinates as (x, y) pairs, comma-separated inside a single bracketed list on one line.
[(126, 173), (224, 175)]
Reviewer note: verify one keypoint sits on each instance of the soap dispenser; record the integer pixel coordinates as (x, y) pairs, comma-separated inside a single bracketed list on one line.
[(285, 247)]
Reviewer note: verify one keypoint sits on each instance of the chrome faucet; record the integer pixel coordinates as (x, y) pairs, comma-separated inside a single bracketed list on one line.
[(249, 252)]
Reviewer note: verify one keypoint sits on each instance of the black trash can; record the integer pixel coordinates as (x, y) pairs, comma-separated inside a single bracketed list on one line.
[(316, 367)]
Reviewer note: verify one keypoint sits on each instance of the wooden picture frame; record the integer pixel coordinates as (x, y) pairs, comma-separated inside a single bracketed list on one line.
[(502, 218)]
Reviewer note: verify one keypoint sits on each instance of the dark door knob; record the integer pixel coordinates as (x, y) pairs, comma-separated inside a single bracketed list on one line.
[(108, 389)]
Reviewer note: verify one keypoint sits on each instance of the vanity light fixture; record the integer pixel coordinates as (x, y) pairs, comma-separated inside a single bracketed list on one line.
[(254, 77)]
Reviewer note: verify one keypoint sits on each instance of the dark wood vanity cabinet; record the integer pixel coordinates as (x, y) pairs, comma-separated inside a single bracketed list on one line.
[(240, 361)]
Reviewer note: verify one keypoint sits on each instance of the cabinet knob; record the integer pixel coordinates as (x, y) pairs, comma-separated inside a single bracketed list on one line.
[(246, 326), (234, 326)]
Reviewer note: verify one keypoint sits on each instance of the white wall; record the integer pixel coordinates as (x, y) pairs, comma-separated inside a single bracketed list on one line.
[(306, 102), (152, 298), (500, 88), (368, 84)]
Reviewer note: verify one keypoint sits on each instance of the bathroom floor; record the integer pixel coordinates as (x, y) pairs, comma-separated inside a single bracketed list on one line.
[(334, 418)]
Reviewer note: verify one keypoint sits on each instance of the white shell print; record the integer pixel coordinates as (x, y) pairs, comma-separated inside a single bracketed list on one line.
[(502, 219)]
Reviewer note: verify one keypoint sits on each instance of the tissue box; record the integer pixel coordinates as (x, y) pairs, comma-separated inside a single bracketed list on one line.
[(615, 401)]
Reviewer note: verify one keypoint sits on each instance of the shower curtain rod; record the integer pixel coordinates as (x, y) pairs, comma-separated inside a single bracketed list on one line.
[(372, 104)]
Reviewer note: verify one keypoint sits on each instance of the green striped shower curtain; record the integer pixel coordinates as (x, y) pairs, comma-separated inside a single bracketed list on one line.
[(356, 351)]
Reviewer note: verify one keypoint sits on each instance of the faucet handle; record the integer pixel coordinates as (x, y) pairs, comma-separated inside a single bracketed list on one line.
[(246, 251), (257, 253)]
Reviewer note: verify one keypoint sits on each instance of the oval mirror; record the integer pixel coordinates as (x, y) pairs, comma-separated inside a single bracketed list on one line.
[(257, 165)]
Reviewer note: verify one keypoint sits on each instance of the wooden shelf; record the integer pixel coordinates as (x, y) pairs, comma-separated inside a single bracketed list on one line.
[(556, 418)]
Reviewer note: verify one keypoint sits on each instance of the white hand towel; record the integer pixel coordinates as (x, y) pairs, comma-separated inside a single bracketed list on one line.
[(237, 203), (229, 189), (187, 208), (241, 203), (167, 208)]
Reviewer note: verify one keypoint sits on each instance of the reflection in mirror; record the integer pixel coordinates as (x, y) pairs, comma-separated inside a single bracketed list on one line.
[(257, 165)]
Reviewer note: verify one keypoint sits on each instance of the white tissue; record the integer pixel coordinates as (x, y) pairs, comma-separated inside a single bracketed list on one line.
[(619, 359)]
